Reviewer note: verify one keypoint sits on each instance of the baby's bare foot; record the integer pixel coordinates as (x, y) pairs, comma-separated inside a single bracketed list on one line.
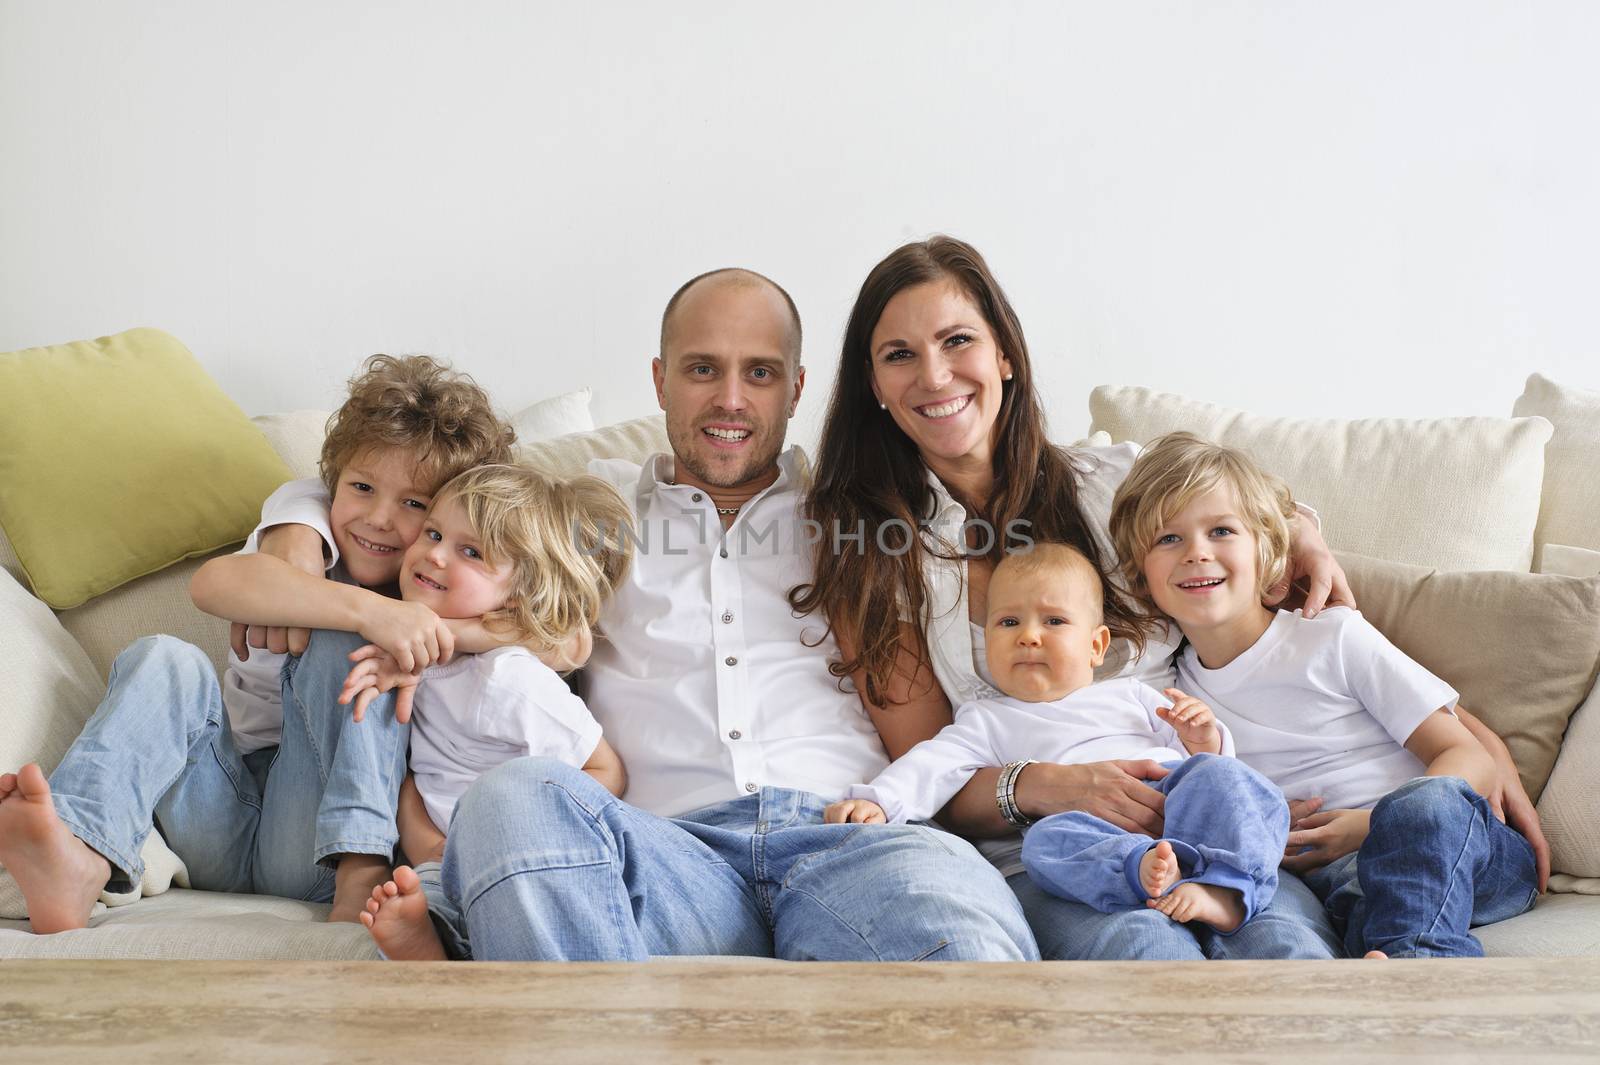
[(353, 882), (1221, 908), (397, 917), (1158, 869), (59, 875)]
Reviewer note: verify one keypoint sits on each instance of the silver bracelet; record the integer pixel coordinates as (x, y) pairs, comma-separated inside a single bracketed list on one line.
[(1005, 793)]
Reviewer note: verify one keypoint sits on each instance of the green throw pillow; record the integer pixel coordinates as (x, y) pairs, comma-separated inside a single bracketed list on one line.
[(118, 457)]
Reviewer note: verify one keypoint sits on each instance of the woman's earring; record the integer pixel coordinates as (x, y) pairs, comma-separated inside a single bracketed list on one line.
[(1007, 377), (883, 406)]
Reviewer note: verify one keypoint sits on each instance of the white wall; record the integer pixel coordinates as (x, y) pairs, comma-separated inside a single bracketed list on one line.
[(1299, 207)]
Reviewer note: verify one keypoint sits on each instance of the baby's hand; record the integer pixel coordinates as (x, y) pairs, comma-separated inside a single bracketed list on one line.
[(374, 673), (1193, 721), (854, 812)]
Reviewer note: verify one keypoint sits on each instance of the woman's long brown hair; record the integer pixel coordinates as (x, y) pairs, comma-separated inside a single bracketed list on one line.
[(869, 473)]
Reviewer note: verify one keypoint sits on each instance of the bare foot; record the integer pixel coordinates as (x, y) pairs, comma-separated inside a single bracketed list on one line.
[(1158, 869), (1221, 908), (59, 875), (1375, 955), (353, 882), (397, 917)]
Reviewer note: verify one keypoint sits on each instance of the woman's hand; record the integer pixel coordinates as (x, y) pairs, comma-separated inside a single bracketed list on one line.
[(374, 673), (1112, 791), (1311, 561), (1325, 836), (413, 635)]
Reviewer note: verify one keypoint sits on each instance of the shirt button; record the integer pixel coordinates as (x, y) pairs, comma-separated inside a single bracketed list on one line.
[(723, 552), (749, 787), (697, 497), (734, 734), (727, 617), (731, 661)]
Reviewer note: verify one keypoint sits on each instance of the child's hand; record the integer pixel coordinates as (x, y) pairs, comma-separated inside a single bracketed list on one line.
[(854, 812), (301, 547), (413, 635), (1193, 721), (1324, 837), (374, 673)]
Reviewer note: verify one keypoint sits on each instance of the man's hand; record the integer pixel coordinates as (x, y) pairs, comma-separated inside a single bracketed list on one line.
[(854, 812), (301, 547), (1193, 721), (374, 673), (1324, 837), (1312, 566), (412, 634), (1112, 791)]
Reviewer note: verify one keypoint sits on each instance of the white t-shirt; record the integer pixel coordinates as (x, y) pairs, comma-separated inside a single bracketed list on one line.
[(480, 711), (251, 689), (708, 685), (1322, 707), (1101, 722)]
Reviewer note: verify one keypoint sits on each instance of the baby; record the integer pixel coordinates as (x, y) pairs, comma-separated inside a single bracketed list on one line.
[(529, 556), (1045, 633)]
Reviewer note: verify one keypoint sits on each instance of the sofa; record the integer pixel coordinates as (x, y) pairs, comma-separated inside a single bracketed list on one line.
[(1363, 478)]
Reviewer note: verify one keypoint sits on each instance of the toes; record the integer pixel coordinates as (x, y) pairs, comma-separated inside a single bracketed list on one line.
[(407, 880), (367, 920)]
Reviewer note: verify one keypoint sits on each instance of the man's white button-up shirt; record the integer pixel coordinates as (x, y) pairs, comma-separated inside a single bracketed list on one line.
[(703, 678)]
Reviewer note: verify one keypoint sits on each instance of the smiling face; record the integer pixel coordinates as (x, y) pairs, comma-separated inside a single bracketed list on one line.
[(1203, 569), (377, 511), (728, 378), (937, 369), (445, 569), (1044, 631)]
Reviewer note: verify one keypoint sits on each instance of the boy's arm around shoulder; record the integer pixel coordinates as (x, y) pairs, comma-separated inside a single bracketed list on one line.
[(1444, 745)]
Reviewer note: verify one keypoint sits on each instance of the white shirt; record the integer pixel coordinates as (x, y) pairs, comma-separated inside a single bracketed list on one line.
[(1112, 719), (482, 710), (1322, 707), (251, 689), (705, 681)]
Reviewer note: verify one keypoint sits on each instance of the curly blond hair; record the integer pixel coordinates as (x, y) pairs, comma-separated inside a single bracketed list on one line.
[(1177, 468), (415, 402), (563, 540)]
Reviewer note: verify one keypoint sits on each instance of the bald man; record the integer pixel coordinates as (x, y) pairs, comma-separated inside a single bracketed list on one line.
[(734, 733)]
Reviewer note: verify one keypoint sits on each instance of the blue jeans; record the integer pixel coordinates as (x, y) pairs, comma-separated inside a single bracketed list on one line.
[(1436, 862), (543, 864), (1227, 825), (159, 749)]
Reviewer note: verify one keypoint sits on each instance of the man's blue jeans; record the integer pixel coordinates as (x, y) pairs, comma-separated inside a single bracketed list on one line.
[(159, 748), (1227, 825), (1436, 862), (543, 864)]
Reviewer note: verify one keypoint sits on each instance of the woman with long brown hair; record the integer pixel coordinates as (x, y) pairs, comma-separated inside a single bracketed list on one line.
[(934, 426)]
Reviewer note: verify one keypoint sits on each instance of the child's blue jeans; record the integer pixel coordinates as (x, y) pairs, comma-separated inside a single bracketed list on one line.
[(159, 748), (1436, 862), (1226, 823)]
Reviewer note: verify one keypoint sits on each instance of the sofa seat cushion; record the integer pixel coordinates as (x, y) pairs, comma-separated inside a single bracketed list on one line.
[(189, 925), (118, 457), (1453, 493), (1558, 926)]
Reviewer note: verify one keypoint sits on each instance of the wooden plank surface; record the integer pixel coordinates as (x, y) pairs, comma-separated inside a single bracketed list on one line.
[(1496, 1010)]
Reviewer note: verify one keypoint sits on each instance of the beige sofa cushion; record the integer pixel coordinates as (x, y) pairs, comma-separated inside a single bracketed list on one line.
[(1521, 648), (568, 456), (1569, 809), (1570, 513), (1452, 493)]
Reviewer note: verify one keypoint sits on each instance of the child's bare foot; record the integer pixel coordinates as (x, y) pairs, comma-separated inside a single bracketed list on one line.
[(397, 917), (1375, 955), (59, 875), (1221, 908), (1158, 869), (353, 882)]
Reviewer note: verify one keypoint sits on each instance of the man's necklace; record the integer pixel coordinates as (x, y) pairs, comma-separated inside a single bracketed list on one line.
[(728, 510)]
